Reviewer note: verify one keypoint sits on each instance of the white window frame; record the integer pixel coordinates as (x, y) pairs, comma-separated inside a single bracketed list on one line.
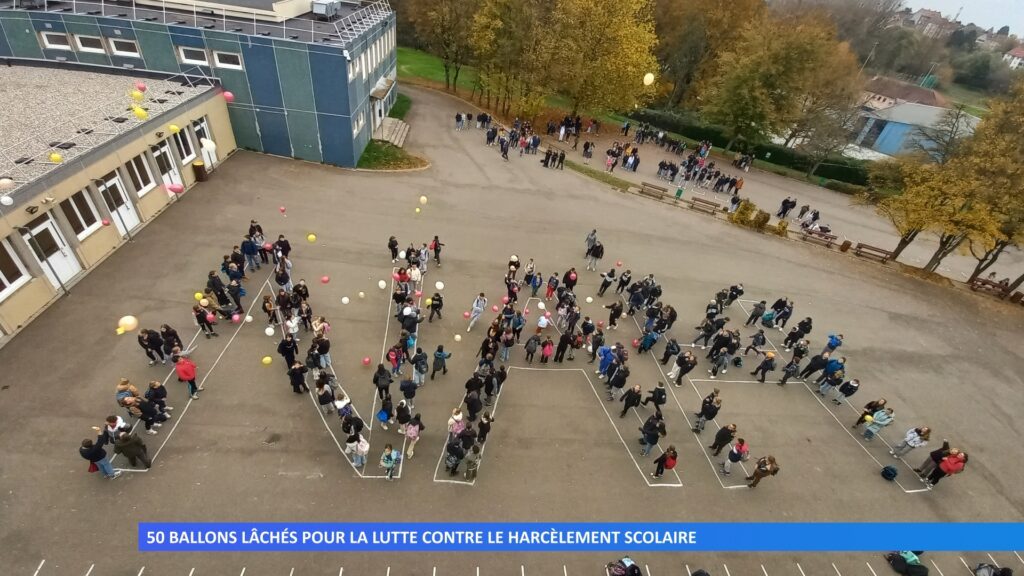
[(46, 41), (186, 60), (97, 221), (131, 167), (117, 52), (219, 64), (362, 58), (81, 48), (13, 287), (182, 138), (357, 125), (353, 68)]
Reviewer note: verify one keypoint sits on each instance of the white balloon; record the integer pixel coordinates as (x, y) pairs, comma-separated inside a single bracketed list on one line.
[(458, 337), (6, 200), (407, 311), (648, 79), (270, 331), (362, 294), (541, 305), (402, 254), (382, 284), (345, 300), (589, 299), (439, 285), (248, 318), (6, 183), (208, 144)]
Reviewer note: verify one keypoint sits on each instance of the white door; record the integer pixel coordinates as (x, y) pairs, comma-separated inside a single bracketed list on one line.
[(121, 209), (378, 114), (165, 162), (203, 131), (51, 250)]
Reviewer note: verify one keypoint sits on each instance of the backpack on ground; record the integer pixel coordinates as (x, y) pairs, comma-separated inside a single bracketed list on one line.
[(889, 473), (737, 362)]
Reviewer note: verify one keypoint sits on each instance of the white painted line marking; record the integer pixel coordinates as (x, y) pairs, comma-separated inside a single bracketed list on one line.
[(522, 570), (969, 571), (1018, 557), (565, 571), (292, 573), (800, 569), (763, 570), (918, 490), (190, 572), (937, 569), (388, 572), (993, 560), (873, 573), (93, 566), (726, 570), (243, 571), (688, 573), (648, 569), (341, 571), (40, 567), (836, 569), (141, 570)]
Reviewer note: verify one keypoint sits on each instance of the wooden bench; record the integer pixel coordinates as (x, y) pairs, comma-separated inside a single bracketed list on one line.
[(868, 251), (822, 238), (987, 285), (653, 190), (705, 205)]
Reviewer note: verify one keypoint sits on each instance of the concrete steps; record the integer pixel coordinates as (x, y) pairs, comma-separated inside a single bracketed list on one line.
[(392, 130)]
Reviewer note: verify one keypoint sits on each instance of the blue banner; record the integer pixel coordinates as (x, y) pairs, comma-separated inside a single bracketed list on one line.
[(583, 537)]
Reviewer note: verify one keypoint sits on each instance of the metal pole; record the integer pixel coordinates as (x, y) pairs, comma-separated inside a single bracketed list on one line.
[(41, 256)]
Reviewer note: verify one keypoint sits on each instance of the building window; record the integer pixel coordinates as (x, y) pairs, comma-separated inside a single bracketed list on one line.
[(122, 47), (140, 175), (353, 69), (12, 272), (193, 56), (184, 145), (357, 126), (56, 40), (90, 44), (81, 214), (362, 63), (227, 60)]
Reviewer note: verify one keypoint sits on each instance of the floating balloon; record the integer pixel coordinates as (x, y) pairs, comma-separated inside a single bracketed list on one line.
[(423, 200), (406, 311), (268, 246), (572, 276), (636, 343), (619, 263), (269, 331), (345, 300), (6, 200), (140, 113), (208, 145), (281, 209), (210, 318), (366, 360), (362, 294), (623, 316), (248, 319), (325, 279), (590, 300), (198, 296), (458, 337), (494, 308), (229, 97), (129, 323), (869, 419), (418, 211), (137, 95), (235, 318), (267, 360), (6, 183), (526, 312), (466, 314), (600, 323), (402, 254), (648, 79), (429, 301), (547, 314), (176, 188), (140, 86), (56, 158), (174, 128), (395, 276), (382, 285), (504, 300), (204, 302), (106, 222), (119, 331), (311, 238), (541, 305), (419, 293), (439, 285)]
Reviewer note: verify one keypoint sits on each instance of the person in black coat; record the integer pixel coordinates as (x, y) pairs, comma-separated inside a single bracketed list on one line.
[(382, 380), (92, 450), (408, 390), (817, 363), (436, 304), (658, 395), (485, 427), (282, 246), (467, 437), (287, 348), (473, 405), (297, 377), (454, 456), (563, 344), (805, 325), (153, 344), (170, 338), (723, 438), (671, 349), (617, 376), (707, 412), (631, 399)]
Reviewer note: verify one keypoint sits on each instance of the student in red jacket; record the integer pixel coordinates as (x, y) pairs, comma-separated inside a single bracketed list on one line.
[(186, 370), (948, 466)]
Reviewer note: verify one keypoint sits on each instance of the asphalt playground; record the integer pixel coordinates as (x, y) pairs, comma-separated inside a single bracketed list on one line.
[(251, 450)]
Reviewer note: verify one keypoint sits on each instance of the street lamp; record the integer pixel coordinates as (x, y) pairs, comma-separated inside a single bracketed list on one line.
[(41, 256)]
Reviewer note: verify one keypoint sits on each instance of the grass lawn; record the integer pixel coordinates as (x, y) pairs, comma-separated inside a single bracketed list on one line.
[(599, 175), (401, 107), (975, 100), (380, 155), (418, 66)]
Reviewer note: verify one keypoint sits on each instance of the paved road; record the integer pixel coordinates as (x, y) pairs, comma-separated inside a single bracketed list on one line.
[(251, 450)]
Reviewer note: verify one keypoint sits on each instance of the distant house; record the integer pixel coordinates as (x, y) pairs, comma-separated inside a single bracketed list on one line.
[(896, 130), (882, 92), (1015, 58), (931, 23)]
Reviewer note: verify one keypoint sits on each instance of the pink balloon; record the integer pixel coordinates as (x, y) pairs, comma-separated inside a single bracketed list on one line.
[(419, 293), (636, 343), (465, 314), (210, 317), (600, 323), (572, 276), (106, 222), (526, 312), (619, 263), (268, 246), (325, 279), (281, 209), (504, 299), (494, 308), (236, 318), (229, 97), (395, 276), (547, 314), (366, 360), (176, 188), (140, 86)]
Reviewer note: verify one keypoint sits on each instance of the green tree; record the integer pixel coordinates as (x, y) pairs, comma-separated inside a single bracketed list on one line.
[(509, 45), (444, 26), (941, 142)]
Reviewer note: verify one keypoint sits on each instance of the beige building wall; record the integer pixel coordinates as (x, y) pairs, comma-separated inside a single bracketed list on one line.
[(19, 306)]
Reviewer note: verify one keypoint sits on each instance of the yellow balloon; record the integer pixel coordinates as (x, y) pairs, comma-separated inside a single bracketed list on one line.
[(119, 331), (311, 237), (648, 79), (56, 158), (137, 95), (174, 128), (128, 323), (198, 296), (140, 113), (429, 301), (423, 199), (417, 210), (267, 360)]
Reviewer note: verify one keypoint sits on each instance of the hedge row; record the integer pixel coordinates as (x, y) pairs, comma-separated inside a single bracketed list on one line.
[(841, 169)]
